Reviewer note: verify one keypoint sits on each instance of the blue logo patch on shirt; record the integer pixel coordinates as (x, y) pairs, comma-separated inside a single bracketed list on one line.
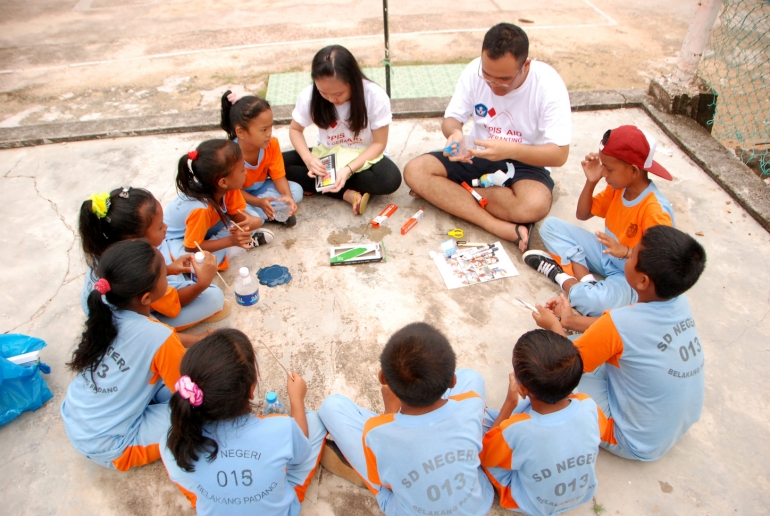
[(481, 109)]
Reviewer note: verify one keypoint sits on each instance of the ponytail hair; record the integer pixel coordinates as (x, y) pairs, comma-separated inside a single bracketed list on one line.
[(126, 217), (131, 268), (224, 367), (336, 61), (241, 113), (199, 171)]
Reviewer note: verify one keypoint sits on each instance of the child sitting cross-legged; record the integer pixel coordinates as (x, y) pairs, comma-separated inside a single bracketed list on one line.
[(421, 456), (629, 204), (643, 363), (540, 452)]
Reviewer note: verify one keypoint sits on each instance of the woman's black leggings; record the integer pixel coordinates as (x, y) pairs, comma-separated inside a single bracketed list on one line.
[(382, 178)]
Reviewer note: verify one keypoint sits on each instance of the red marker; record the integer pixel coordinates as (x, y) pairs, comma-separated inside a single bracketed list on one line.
[(384, 215), (480, 199), (411, 222)]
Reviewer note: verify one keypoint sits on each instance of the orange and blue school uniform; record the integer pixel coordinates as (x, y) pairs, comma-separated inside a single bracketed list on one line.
[(117, 413), (422, 464), (625, 221), (260, 177), (644, 368), (169, 309), (263, 465), (192, 220), (543, 464)]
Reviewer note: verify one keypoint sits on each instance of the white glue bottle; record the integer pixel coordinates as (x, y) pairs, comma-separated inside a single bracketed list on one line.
[(199, 258), (497, 179), (246, 288)]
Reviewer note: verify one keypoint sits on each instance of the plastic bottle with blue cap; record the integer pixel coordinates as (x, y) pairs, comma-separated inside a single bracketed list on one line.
[(273, 405), (246, 288), (497, 179)]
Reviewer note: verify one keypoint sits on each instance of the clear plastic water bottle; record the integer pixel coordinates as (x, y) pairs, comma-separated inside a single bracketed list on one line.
[(280, 211), (273, 405), (199, 258), (246, 288)]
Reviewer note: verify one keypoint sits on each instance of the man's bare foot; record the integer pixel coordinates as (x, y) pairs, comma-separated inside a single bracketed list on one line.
[(523, 232)]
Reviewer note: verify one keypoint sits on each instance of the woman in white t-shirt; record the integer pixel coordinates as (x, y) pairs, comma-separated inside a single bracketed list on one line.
[(353, 116)]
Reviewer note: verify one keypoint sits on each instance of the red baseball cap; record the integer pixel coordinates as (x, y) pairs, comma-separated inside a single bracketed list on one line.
[(634, 146)]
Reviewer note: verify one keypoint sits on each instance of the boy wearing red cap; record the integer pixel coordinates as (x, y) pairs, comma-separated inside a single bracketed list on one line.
[(630, 204)]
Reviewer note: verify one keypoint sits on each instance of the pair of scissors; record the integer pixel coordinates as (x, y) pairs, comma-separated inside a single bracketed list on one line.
[(456, 232), (453, 149)]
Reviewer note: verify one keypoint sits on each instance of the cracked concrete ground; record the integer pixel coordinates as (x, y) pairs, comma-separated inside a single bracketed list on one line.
[(330, 323)]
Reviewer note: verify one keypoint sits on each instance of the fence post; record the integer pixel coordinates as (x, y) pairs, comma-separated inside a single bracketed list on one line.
[(387, 45), (695, 40)]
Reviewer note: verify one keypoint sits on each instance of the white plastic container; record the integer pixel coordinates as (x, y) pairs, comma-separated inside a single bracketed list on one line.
[(246, 288), (199, 258)]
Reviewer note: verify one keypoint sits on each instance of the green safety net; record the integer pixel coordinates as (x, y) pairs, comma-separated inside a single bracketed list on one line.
[(736, 65)]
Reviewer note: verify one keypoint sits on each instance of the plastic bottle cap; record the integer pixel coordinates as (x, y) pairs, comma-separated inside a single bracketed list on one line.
[(475, 182), (200, 257), (244, 272), (270, 397)]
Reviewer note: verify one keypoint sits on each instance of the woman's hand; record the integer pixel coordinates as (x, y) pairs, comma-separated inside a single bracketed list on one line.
[(342, 178), (315, 167), (179, 266)]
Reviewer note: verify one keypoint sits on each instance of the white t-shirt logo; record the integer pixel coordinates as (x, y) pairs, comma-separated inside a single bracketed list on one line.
[(481, 110)]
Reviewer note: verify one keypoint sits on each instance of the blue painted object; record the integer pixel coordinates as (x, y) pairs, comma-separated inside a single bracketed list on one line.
[(274, 275)]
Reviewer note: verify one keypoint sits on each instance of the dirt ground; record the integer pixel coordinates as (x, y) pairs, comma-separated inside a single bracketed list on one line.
[(92, 59)]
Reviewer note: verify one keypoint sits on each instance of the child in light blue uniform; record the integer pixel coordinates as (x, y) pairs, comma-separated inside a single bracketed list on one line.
[(644, 363), (540, 453), (248, 121), (135, 213), (226, 460), (115, 411), (421, 456), (209, 180)]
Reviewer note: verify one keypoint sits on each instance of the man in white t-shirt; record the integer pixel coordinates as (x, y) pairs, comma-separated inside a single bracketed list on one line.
[(521, 116)]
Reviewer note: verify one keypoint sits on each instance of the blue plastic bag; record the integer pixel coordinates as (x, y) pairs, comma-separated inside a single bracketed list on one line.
[(21, 388)]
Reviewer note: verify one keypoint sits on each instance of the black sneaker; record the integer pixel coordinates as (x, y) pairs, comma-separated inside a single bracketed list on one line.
[(261, 237), (543, 263), (290, 222)]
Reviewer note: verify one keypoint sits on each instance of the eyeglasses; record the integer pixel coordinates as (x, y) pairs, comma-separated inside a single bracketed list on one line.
[(495, 82)]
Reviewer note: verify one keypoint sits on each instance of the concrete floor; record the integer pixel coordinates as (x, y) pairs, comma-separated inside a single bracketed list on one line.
[(330, 323)]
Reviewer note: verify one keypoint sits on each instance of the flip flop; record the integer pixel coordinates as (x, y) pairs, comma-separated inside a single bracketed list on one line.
[(530, 228), (362, 203)]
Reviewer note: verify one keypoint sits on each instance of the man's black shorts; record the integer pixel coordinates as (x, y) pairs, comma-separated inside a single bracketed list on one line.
[(459, 171)]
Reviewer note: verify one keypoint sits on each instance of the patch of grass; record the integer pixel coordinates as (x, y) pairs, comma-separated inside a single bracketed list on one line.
[(598, 508)]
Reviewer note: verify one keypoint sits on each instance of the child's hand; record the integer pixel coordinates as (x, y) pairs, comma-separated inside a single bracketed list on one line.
[(513, 390), (207, 270), (593, 168), (391, 401), (267, 207), (250, 222), (315, 167), (546, 319), (296, 387), (179, 266), (614, 247), (240, 238)]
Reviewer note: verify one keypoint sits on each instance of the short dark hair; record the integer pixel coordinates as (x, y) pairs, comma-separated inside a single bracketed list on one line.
[(224, 367), (418, 364), (672, 259), (336, 61), (241, 113), (547, 364), (506, 38)]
